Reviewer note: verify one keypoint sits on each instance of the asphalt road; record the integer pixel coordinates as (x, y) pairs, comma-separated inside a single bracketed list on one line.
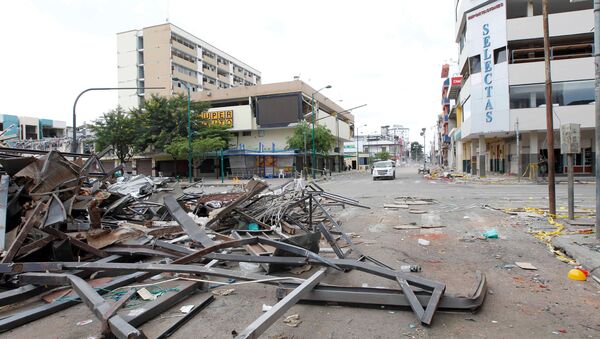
[(528, 304)]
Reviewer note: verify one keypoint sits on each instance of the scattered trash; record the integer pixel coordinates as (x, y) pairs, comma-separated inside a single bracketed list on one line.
[(410, 268), (423, 242), (186, 309), (414, 227), (417, 211), (491, 234), (412, 325), (266, 308), (84, 322), (526, 265), (223, 291), (250, 267), (395, 206), (145, 294), (301, 269), (292, 320), (577, 274)]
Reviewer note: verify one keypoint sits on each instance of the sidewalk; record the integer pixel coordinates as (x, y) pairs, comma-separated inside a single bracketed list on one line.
[(582, 247)]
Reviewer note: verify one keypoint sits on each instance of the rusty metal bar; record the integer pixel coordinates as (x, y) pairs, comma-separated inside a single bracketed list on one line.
[(197, 309), (39, 312), (260, 325), (101, 308), (35, 216), (191, 228), (75, 242), (384, 298)]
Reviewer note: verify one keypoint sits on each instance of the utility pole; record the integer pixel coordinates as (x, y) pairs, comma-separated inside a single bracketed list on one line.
[(597, 135), (518, 151), (549, 121), (424, 157)]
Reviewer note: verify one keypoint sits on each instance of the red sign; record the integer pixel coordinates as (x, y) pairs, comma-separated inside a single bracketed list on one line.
[(456, 81)]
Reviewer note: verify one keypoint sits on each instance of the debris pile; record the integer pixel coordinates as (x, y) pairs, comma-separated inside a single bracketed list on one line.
[(61, 221)]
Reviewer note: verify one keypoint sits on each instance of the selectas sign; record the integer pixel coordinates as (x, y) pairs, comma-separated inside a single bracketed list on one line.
[(486, 38), (221, 118)]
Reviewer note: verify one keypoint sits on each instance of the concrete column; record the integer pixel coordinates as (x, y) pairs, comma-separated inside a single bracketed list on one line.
[(473, 157), (459, 157), (134, 166), (534, 151), (530, 8), (154, 171), (481, 160)]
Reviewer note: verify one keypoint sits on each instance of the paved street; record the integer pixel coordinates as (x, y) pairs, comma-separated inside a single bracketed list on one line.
[(528, 304)]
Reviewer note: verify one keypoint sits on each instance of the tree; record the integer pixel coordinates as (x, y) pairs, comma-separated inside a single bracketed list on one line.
[(302, 138), (160, 120), (115, 128), (178, 147), (382, 155), (416, 150)]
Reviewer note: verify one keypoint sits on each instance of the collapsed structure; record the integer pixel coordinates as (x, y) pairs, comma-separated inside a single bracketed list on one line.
[(61, 221)]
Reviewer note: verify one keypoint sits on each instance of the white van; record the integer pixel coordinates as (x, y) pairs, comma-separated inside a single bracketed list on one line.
[(384, 169)]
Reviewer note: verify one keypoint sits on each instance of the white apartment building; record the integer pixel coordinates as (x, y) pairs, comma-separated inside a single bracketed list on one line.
[(153, 56), (501, 61)]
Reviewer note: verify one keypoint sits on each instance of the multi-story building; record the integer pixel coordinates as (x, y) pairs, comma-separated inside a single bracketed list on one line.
[(393, 140), (153, 56), (501, 61), (447, 135)]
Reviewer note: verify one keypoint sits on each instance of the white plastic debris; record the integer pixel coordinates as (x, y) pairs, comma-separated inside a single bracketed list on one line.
[(424, 242), (186, 309), (266, 308), (250, 267)]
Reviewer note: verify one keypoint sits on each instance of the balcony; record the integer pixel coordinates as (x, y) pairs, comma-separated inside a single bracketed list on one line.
[(185, 77), (223, 66), (184, 63), (562, 70), (183, 48), (223, 78), (560, 24), (209, 72)]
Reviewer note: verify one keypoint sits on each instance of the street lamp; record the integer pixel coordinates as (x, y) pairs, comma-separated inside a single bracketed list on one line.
[(74, 145), (189, 129), (356, 134), (314, 150), (424, 159), (337, 123)]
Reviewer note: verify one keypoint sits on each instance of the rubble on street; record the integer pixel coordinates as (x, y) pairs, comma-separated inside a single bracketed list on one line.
[(71, 228)]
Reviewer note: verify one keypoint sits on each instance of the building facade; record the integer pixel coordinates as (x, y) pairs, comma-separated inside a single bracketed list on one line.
[(392, 139), (501, 65), (261, 119), (29, 132), (155, 55)]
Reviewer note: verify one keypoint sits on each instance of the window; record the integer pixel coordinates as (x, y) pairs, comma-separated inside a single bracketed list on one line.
[(475, 64), (499, 55), (246, 133), (466, 109), (563, 94)]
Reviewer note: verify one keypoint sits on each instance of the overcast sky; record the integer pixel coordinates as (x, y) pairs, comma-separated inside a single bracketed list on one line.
[(386, 54)]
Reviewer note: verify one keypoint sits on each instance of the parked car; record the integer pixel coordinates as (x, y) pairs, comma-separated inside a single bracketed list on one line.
[(384, 169)]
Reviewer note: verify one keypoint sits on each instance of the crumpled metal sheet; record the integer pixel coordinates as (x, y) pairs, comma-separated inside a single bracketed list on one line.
[(14, 165), (136, 186), (49, 172)]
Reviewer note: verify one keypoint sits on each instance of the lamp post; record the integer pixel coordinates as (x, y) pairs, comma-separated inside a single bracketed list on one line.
[(356, 133), (314, 149), (74, 145), (189, 129), (338, 124), (424, 158)]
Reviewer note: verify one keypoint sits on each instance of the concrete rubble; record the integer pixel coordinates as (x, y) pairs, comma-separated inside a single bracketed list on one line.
[(69, 227)]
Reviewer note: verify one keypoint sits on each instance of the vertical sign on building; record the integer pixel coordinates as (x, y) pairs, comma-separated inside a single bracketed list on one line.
[(486, 38)]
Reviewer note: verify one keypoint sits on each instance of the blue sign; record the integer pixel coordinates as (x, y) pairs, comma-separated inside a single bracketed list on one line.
[(487, 73)]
